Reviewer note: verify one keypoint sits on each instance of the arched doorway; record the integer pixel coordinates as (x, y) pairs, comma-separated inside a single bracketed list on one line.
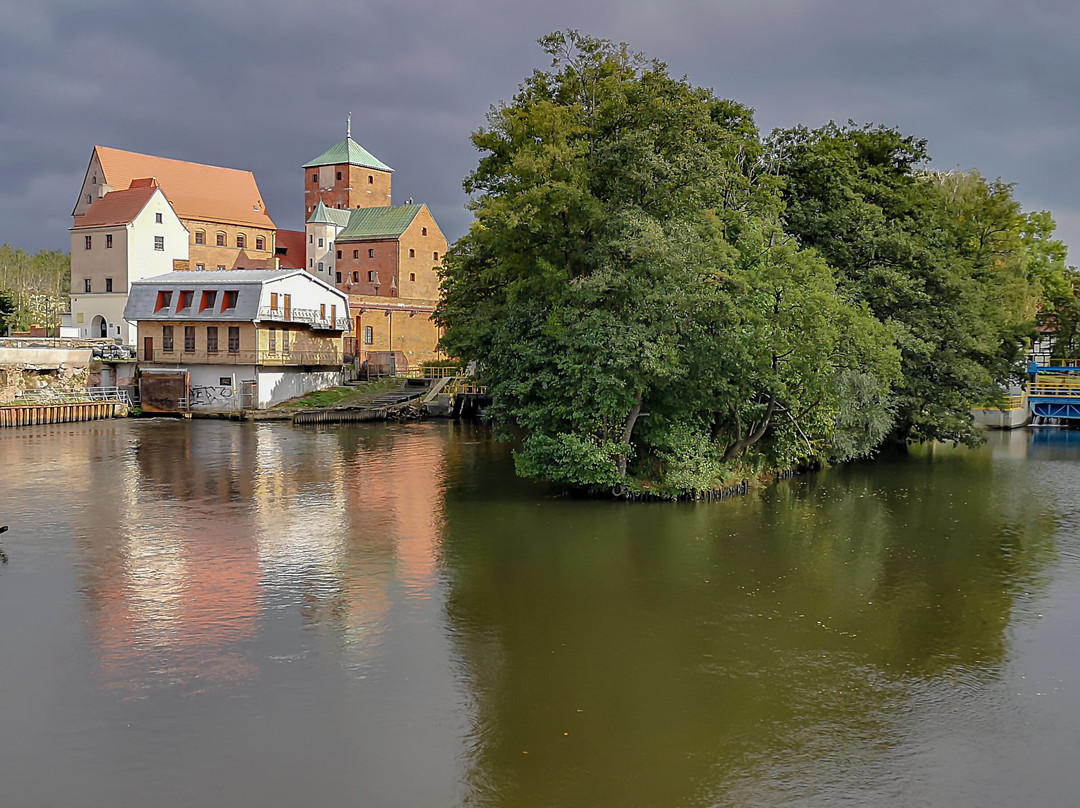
[(98, 327)]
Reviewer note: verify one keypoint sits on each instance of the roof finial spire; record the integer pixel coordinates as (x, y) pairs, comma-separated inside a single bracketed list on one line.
[(348, 126)]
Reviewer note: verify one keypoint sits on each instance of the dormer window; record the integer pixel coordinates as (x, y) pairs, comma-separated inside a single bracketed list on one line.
[(185, 301), (208, 300), (164, 299), (229, 301)]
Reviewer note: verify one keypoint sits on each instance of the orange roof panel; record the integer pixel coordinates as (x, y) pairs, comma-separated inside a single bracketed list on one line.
[(196, 191), (116, 207)]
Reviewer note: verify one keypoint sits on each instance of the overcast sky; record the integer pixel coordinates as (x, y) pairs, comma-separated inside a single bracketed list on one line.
[(265, 85)]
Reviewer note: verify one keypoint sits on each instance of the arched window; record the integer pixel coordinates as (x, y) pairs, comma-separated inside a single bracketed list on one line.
[(221, 239), (200, 236), (241, 241), (412, 253), (370, 180), (435, 256)]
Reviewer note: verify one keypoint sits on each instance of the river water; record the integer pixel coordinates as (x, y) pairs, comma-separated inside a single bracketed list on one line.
[(220, 614)]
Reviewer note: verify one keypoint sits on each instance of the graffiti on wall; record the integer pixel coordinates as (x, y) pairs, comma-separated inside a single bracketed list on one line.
[(211, 394)]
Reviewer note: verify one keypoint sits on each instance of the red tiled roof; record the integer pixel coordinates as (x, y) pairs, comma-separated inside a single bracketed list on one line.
[(196, 191), (293, 243), (117, 207)]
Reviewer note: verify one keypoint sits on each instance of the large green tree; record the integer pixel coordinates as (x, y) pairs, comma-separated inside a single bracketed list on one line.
[(626, 287), (947, 261)]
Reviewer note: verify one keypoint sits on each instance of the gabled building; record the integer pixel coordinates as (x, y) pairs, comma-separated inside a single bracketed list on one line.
[(227, 223), (240, 339), (124, 236)]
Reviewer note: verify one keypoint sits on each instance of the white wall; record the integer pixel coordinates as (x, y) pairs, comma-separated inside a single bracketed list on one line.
[(111, 307), (282, 384), (143, 260), (305, 294)]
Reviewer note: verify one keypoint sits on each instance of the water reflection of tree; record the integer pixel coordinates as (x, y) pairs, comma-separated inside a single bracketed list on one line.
[(648, 655)]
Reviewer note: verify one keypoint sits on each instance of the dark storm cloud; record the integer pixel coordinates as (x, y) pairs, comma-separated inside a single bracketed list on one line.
[(266, 85)]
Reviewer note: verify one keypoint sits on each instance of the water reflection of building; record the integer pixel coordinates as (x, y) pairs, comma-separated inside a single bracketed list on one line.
[(173, 579)]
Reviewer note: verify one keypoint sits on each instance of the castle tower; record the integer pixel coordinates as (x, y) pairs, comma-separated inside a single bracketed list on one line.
[(346, 176)]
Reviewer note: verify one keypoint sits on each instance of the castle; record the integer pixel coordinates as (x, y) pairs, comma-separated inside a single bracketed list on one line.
[(139, 216)]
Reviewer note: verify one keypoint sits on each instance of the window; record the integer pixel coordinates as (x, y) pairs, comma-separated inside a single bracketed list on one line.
[(315, 178), (412, 253), (93, 180), (260, 243), (189, 339), (108, 284), (221, 239), (285, 342), (356, 277), (88, 240), (412, 277), (311, 263), (221, 267), (338, 278), (322, 311), (310, 239), (320, 242), (89, 199), (163, 300), (234, 339), (355, 253), (320, 266), (371, 277), (241, 241), (370, 180), (208, 300), (224, 381), (211, 339), (229, 301), (273, 301), (86, 284), (371, 253), (423, 231), (108, 241), (339, 175), (167, 338), (369, 335), (200, 236), (435, 256), (271, 341), (339, 255), (157, 218), (185, 300), (200, 267), (159, 243)]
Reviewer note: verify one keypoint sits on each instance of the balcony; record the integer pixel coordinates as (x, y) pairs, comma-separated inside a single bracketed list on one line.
[(309, 317)]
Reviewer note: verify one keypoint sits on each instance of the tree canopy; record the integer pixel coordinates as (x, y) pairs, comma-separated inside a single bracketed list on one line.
[(659, 299)]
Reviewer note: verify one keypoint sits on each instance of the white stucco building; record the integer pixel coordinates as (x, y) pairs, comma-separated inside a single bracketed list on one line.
[(127, 235)]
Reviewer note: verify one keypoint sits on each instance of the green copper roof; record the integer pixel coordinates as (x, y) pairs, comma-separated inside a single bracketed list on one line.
[(388, 222), (325, 215), (348, 152)]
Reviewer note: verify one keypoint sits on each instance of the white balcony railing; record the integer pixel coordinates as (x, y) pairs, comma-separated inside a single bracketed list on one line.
[(308, 316)]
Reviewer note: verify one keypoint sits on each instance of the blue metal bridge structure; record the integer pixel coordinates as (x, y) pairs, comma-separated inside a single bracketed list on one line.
[(1054, 389)]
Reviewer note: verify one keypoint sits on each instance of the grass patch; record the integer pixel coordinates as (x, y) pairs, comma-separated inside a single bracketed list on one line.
[(340, 396)]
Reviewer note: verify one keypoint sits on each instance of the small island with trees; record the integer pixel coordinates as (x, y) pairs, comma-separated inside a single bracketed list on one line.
[(664, 302)]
